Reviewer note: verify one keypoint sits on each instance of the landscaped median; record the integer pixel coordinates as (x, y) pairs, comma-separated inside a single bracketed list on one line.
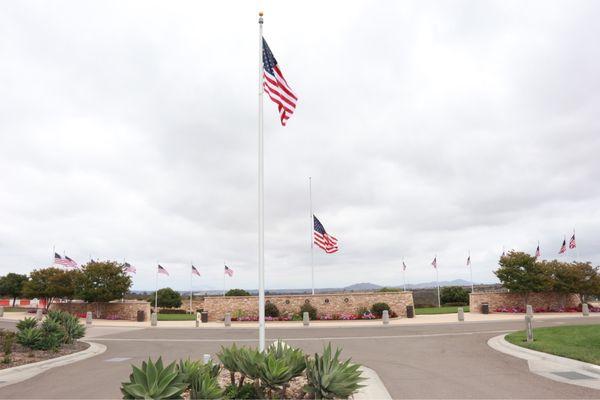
[(581, 342)]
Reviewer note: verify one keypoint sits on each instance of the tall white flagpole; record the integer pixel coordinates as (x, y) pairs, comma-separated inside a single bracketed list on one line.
[(261, 195), (312, 244), (471, 271), (437, 280), (404, 274), (224, 277), (191, 277), (156, 292)]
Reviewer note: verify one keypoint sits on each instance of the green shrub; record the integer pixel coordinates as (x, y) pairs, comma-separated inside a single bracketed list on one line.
[(53, 335), (153, 381), (167, 297), (312, 311), (245, 392), (271, 310), (388, 289), (204, 386), (30, 338), (172, 311), (454, 294), (281, 363), (237, 292), (378, 308), (329, 378), (362, 310), (229, 358), (28, 322), (8, 339)]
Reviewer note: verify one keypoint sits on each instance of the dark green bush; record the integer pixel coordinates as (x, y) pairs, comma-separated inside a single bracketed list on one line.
[(30, 338), (312, 311), (378, 308), (237, 292), (172, 311), (247, 391), (454, 294), (271, 310), (389, 289), (167, 297), (28, 322), (362, 310)]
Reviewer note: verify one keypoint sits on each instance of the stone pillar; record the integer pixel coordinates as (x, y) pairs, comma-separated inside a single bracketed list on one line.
[(461, 314), (305, 319), (385, 317), (585, 309), (39, 313), (88, 318), (529, 328), (529, 310), (1, 311), (227, 319), (197, 319), (154, 319)]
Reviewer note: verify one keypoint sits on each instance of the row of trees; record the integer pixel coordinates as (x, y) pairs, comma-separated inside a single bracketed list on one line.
[(522, 273), (96, 281)]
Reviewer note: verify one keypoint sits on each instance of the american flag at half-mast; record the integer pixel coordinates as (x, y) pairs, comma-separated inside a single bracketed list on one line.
[(195, 271), (228, 271), (129, 268), (469, 261), (538, 253), (563, 248), (162, 270), (403, 266), (572, 243), (64, 261), (434, 262), (322, 239), (276, 86)]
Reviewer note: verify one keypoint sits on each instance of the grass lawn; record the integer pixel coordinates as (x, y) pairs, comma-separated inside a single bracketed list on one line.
[(176, 317), (578, 342), (15, 309), (439, 310)]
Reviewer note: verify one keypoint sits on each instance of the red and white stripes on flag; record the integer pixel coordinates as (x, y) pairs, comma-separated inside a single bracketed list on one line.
[(64, 261), (572, 243), (195, 271), (322, 239), (228, 271), (162, 270), (276, 86), (538, 253), (434, 262), (129, 268), (563, 248)]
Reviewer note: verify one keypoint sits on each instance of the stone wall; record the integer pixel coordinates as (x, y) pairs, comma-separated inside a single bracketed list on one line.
[(114, 310), (326, 304), (510, 300)]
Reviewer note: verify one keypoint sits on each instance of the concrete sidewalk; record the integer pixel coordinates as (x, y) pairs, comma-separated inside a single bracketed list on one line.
[(417, 320)]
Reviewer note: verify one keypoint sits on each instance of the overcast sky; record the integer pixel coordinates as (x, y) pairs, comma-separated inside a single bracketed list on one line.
[(128, 131)]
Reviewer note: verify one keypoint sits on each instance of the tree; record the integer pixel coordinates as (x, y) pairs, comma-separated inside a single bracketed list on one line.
[(168, 297), (577, 277), (102, 281), (455, 295), (50, 283), (520, 273), (237, 292), (12, 285)]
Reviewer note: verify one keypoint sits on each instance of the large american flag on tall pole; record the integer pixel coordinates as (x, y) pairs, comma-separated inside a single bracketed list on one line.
[(323, 239), (276, 86), (64, 261)]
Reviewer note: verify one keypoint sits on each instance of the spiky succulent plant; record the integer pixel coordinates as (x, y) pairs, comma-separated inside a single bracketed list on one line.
[(154, 381)]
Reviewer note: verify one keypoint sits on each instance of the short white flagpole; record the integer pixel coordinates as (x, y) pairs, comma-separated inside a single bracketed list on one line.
[(261, 200), (156, 292), (471, 271), (404, 274), (191, 278), (312, 245), (437, 280)]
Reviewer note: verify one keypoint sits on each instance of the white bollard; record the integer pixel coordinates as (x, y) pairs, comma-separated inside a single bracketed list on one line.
[(227, 319), (305, 319), (1, 311), (88, 318), (39, 314), (585, 309), (385, 317), (461, 314), (529, 327), (154, 319), (206, 358), (529, 310)]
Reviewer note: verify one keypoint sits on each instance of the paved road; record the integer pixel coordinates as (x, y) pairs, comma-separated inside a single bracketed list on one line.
[(425, 361)]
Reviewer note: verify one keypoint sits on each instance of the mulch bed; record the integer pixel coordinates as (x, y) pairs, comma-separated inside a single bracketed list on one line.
[(22, 355)]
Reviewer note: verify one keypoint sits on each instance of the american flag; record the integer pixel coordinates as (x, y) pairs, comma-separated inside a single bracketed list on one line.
[(538, 253), (434, 262), (64, 261), (162, 270), (129, 268), (563, 248), (403, 266), (323, 239), (195, 271), (228, 271), (572, 243), (469, 261), (276, 86)]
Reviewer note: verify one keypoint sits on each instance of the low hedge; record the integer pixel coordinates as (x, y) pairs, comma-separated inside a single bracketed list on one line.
[(171, 311)]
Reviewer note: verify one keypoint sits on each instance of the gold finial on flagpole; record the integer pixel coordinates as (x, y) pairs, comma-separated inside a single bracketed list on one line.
[(260, 13)]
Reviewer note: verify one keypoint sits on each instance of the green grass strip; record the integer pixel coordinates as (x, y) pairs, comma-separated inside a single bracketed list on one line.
[(439, 310)]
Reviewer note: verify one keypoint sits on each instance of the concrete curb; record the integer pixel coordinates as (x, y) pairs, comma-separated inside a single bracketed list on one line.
[(374, 387), (14, 375), (550, 366)]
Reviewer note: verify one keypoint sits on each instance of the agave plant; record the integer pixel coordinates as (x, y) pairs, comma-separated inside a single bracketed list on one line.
[(275, 373), (293, 357), (153, 381), (73, 329), (28, 322), (212, 369), (229, 358), (189, 368), (29, 337), (205, 386), (329, 378), (249, 362)]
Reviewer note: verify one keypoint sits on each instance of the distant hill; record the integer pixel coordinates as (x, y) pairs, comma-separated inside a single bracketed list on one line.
[(365, 286)]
